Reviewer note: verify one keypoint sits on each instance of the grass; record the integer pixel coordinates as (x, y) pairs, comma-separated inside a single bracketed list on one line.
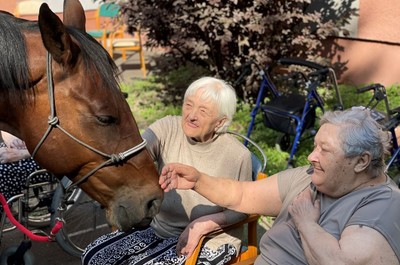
[(145, 102)]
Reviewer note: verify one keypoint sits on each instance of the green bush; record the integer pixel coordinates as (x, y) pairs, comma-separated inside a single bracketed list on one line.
[(146, 103)]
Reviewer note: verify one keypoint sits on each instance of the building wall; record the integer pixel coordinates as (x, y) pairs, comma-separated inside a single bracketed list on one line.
[(372, 52), (367, 62), (56, 6), (379, 20)]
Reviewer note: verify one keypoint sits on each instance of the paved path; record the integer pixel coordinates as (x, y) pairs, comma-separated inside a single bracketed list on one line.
[(130, 69), (43, 253)]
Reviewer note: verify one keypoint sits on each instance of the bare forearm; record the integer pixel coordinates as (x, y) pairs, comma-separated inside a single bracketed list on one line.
[(240, 196), (358, 245), (319, 246), (221, 191), (210, 223)]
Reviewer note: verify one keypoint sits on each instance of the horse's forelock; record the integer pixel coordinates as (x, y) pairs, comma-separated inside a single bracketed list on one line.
[(14, 71)]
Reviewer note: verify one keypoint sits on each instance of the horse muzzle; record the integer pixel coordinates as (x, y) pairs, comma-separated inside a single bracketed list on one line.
[(127, 213)]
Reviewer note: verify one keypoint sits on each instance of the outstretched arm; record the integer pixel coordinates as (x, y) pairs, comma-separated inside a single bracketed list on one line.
[(251, 197)]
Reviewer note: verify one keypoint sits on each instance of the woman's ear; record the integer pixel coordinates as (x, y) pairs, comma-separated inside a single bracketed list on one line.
[(363, 162), (220, 123)]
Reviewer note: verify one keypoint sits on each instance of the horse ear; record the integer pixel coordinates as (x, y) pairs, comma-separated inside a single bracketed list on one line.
[(55, 37), (74, 15)]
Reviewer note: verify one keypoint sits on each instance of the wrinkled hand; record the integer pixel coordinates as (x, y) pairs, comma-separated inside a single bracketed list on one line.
[(178, 176), (8, 155), (18, 144), (188, 241), (303, 210)]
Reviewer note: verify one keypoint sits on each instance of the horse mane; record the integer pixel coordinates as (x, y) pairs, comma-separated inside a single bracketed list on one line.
[(97, 59), (14, 71)]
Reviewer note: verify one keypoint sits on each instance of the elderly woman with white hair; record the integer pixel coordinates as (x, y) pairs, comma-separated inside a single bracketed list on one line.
[(196, 138)]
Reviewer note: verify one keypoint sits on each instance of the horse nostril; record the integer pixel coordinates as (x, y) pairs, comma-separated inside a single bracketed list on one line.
[(150, 204), (153, 206), (137, 213), (123, 216)]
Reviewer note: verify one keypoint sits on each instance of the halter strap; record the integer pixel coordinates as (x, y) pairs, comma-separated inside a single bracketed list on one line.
[(53, 122)]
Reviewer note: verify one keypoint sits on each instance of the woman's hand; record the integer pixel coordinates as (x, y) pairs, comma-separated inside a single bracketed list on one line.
[(178, 176), (8, 155), (188, 240), (18, 144), (190, 237), (303, 210)]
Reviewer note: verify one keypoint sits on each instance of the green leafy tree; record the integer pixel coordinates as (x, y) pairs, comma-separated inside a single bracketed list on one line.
[(220, 35)]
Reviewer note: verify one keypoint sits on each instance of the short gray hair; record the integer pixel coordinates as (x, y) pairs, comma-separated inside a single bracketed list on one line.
[(359, 133), (219, 92)]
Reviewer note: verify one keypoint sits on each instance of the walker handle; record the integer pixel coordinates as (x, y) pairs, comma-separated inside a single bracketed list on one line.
[(370, 87), (301, 62)]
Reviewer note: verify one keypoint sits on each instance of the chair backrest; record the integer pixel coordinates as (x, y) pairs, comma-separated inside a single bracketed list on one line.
[(257, 166), (106, 11), (259, 162)]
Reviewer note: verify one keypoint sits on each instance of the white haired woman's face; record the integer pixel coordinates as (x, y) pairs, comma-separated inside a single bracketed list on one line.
[(200, 117)]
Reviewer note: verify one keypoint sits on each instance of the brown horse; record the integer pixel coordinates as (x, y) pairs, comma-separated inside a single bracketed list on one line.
[(72, 115)]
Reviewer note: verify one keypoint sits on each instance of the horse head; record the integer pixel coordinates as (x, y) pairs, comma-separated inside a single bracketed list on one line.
[(75, 120)]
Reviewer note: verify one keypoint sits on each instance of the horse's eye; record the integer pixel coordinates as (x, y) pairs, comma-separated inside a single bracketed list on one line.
[(106, 120)]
